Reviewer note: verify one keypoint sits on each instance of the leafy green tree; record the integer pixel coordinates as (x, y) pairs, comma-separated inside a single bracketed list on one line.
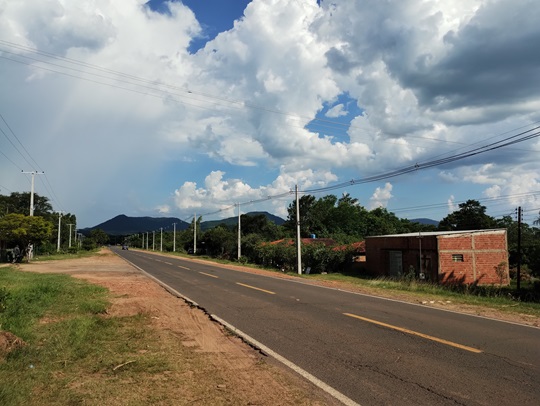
[(99, 236), (530, 244), (281, 256), (307, 221), (381, 222), (220, 241), (66, 229), (351, 219), (24, 230), (184, 239), (259, 224), (20, 203), (323, 220), (470, 216), (250, 247), (343, 219)]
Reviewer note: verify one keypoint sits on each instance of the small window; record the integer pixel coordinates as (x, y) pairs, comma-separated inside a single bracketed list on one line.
[(457, 257)]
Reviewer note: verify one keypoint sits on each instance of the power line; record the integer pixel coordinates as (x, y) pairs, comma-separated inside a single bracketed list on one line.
[(165, 94), (525, 135), (32, 164), (438, 162), (14, 146)]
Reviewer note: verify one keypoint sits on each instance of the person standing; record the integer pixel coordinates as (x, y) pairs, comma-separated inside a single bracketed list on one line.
[(16, 254)]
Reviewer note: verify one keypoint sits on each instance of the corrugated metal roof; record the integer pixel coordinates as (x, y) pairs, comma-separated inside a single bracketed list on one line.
[(439, 233)]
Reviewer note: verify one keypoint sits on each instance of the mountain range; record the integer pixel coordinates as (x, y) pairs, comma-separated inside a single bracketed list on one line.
[(124, 225)]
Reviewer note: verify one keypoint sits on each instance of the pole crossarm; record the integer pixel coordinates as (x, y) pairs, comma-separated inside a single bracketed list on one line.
[(33, 173)]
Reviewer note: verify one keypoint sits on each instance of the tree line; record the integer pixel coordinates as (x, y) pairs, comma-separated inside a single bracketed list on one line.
[(343, 220)]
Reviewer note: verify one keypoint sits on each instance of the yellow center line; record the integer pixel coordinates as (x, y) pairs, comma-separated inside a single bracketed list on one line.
[(404, 330), (207, 274), (183, 267), (253, 287)]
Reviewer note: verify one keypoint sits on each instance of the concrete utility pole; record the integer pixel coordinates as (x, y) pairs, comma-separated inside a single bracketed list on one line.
[(421, 273), (194, 233), (518, 274), (33, 173), (298, 240), (142, 241), (59, 218), (147, 240), (239, 234), (69, 244), (161, 239), (174, 237), (153, 240)]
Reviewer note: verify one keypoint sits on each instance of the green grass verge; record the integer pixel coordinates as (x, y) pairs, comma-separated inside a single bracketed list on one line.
[(65, 255), (72, 348)]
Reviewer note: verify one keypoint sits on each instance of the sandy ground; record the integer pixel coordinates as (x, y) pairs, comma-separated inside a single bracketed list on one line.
[(272, 384)]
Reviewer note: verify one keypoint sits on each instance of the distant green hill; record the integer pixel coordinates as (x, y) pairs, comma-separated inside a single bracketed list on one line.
[(425, 221), (233, 221), (124, 225)]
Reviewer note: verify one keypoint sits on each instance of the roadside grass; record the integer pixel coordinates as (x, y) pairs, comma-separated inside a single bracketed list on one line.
[(75, 353), (495, 297), (66, 255)]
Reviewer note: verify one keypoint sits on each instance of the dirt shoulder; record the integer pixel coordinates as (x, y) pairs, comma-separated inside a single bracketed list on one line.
[(247, 376)]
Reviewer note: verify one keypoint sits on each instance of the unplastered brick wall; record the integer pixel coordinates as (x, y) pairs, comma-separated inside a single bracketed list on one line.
[(474, 257)]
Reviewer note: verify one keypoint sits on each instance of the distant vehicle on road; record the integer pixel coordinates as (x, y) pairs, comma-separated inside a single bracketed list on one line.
[(125, 247)]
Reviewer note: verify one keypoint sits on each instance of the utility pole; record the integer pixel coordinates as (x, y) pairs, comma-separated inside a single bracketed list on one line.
[(59, 218), (174, 238), (421, 273), (518, 273), (142, 241), (161, 239), (33, 173), (147, 241), (194, 233), (69, 244), (298, 240), (239, 235), (153, 240)]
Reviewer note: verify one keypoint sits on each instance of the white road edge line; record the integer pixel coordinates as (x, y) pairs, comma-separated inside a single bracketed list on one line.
[(164, 285), (316, 381)]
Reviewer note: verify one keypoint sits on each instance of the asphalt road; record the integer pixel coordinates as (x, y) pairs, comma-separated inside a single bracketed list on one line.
[(374, 351)]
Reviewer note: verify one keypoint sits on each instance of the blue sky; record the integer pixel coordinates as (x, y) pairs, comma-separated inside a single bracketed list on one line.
[(176, 108)]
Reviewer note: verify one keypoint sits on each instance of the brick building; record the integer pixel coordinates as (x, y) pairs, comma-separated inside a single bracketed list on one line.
[(476, 256)]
